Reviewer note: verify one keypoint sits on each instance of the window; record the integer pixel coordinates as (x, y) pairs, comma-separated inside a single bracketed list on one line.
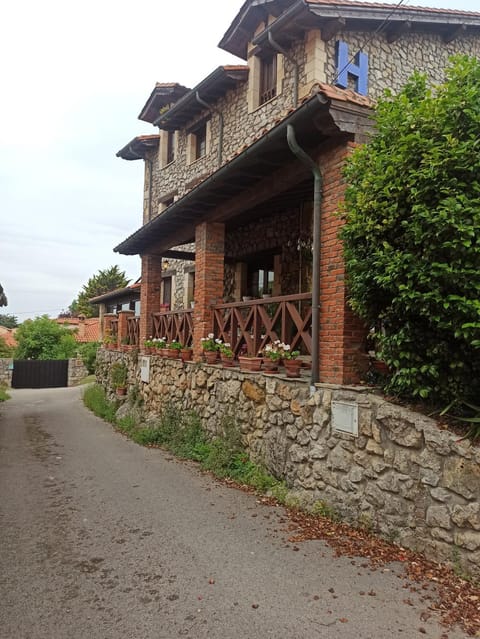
[(200, 141), (167, 291), (268, 77), (170, 146), (260, 277)]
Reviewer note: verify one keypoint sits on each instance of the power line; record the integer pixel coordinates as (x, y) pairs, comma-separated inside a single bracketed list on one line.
[(378, 30)]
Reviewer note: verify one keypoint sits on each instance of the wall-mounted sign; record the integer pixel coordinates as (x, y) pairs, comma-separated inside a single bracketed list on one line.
[(345, 417), (356, 68), (144, 363)]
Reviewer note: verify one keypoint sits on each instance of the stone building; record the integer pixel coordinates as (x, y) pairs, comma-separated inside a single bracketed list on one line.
[(230, 211)]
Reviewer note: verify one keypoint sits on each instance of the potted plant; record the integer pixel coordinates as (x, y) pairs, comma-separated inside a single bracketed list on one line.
[(272, 356), (109, 341), (160, 345), (226, 354), (291, 363), (149, 346), (210, 348), (118, 377), (174, 349)]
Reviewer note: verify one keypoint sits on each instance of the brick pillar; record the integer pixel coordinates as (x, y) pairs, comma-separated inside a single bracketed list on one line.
[(149, 294), (107, 319), (342, 333), (209, 277), (123, 325)]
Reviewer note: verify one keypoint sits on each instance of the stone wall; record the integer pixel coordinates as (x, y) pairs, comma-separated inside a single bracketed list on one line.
[(76, 371), (392, 63), (6, 372), (401, 476)]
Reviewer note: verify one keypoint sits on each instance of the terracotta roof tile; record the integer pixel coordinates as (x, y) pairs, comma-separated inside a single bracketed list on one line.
[(383, 5), (346, 95)]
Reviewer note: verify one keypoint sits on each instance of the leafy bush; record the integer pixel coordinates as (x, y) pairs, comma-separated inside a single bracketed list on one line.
[(412, 241), (42, 338), (88, 353), (3, 394)]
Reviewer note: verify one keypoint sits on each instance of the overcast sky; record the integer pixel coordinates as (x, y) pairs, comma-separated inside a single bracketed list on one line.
[(74, 78)]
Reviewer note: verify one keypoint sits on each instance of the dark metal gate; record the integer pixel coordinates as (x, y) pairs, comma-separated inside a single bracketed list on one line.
[(30, 373)]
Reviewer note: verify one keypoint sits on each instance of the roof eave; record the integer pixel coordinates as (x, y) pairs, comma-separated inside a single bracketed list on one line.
[(172, 119)]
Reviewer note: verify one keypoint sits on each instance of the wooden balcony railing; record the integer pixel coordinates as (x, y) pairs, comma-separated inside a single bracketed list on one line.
[(133, 331), (249, 326), (114, 328), (174, 325)]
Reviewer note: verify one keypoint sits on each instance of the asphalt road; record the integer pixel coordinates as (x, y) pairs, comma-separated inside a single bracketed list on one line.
[(103, 539)]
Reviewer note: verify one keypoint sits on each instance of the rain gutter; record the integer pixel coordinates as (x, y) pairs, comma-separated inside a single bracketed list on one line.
[(317, 200)]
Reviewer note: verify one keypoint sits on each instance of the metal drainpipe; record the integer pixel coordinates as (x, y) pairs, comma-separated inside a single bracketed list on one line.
[(220, 132), (281, 50), (317, 199)]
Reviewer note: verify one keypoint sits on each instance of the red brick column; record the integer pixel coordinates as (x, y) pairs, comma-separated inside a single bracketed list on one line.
[(123, 325), (209, 276), (342, 333), (149, 294)]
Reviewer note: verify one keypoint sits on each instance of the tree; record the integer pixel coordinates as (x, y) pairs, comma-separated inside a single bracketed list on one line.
[(412, 241), (3, 297), (5, 349), (9, 321), (42, 338), (103, 282)]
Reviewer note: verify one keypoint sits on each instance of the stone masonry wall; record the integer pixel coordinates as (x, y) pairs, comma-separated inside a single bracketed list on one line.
[(402, 476), (391, 64), (6, 372)]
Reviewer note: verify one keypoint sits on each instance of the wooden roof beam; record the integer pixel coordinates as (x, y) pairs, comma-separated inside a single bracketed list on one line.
[(397, 30), (331, 27), (455, 32)]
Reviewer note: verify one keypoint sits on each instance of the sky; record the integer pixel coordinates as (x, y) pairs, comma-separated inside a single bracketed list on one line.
[(74, 78)]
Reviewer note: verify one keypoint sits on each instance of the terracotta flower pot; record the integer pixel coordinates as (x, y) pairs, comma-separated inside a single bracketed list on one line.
[(292, 367), (252, 364), (121, 391), (210, 356), (186, 354), (227, 361), (269, 366), (172, 353), (164, 352)]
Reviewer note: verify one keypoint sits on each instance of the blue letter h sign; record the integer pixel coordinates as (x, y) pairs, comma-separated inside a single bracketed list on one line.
[(359, 70)]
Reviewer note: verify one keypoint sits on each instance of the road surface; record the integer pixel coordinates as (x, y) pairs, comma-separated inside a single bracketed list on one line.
[(103, 539)]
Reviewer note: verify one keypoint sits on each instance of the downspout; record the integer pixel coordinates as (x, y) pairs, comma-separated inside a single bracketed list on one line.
[(317, 199), (292, 60), (220, 125)]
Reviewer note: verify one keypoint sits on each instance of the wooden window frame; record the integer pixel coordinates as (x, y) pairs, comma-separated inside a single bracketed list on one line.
[(268, 77)]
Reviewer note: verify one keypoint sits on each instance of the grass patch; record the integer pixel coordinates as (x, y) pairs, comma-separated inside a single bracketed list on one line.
[(182, 434), (90, 379), (3, 394)]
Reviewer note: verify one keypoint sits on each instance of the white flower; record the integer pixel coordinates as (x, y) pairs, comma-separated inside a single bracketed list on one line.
[(286, 347), (227, 344), (203, 339), (210, 336), (218, 341)]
